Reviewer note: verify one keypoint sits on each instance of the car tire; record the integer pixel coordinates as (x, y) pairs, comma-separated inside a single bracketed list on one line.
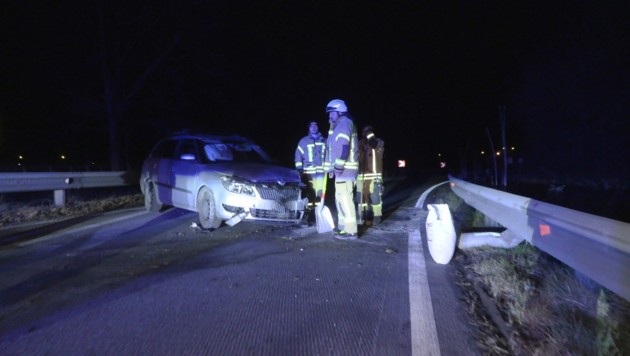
[(207, 210), (151, 202)]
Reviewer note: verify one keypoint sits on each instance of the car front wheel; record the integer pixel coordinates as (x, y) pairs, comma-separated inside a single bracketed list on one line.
[(207, 210), (151, 202)]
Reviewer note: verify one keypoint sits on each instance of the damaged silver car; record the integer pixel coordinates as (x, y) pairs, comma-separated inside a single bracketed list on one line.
[(223, 178)]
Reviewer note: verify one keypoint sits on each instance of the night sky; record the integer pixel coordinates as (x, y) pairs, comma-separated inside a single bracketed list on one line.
[(429, 76)]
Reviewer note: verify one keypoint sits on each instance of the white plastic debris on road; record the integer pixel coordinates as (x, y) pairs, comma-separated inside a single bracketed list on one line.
[(505, 239), (441, 235)]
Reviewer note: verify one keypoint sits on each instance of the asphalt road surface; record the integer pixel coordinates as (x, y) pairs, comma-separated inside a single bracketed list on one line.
[(132, 282)]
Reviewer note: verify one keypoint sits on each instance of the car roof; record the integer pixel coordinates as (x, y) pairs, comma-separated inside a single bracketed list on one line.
[(212, 138)]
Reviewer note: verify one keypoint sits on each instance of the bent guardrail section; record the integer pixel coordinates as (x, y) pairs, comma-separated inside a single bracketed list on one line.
[(59, 182), (595, 246)]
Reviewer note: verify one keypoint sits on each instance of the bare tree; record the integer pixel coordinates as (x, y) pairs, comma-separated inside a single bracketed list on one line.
[(504, 145), (494, 157), (571, 96), (115, 53)]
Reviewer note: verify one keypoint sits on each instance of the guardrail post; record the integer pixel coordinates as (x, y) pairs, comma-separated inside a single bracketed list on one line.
[(60, 197)]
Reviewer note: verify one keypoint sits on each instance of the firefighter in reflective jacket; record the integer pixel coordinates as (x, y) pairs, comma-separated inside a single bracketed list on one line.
[(342, 164), (370, 179), (309, 160)]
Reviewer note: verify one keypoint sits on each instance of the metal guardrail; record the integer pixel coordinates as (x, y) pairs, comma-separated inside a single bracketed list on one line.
[(595, 246), (59, 182)]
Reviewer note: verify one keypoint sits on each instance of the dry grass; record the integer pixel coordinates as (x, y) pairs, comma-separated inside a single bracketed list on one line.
[(545, 309), (15, 213)]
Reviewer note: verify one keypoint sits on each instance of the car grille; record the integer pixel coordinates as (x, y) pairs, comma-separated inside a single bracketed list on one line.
[(278, 192), (275, 215)]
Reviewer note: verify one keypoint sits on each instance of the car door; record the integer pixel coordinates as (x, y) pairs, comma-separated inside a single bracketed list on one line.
[(159, 168), (184, 174)]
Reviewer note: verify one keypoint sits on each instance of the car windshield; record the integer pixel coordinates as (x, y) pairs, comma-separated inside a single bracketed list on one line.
[(235, 152)]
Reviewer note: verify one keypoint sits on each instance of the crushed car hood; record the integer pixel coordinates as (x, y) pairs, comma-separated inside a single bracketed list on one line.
[(259, 172)]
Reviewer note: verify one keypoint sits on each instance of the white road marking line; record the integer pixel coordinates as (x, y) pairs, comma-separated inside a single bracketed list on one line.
[(74, 229), (424, 195), (424, 339)]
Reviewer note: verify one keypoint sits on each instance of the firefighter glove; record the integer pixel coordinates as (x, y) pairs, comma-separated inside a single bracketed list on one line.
[(378, 185)]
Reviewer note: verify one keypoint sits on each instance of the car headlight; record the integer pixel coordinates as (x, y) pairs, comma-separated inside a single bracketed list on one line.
[(238, 186)]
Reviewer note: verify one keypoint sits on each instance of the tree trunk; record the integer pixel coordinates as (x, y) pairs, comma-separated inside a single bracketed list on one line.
[(503, 143), (114, 140), (494, 157)]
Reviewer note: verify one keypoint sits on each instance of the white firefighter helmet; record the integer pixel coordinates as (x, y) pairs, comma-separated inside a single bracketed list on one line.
[(337, 105)]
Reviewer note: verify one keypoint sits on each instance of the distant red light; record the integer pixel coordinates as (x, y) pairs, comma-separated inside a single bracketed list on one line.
[(402, 163)]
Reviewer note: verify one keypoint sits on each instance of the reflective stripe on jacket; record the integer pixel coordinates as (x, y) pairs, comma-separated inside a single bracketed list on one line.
[(371, 159), (310, 153), (343, 133)]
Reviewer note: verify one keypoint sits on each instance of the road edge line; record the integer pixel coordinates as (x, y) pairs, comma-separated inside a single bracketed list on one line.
[(424, 338)]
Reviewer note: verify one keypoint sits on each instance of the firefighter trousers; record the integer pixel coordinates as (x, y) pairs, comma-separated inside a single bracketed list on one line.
[(346, 213), (369, 199)]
